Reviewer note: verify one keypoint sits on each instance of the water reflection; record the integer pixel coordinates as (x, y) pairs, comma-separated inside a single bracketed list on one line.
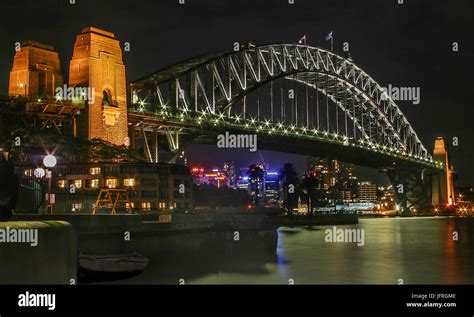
[(416, 250)]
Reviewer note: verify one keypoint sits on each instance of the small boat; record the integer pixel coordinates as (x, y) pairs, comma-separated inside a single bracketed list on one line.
[(121, 263)]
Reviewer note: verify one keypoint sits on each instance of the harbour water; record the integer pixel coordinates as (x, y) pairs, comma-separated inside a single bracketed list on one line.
[(428, 250)]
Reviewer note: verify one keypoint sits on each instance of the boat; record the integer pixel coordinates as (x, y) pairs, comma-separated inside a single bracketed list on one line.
[(121, 263)]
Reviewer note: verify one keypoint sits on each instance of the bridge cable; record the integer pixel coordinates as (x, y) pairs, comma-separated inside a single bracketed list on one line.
[(337, 107), (327, 105), (282, 101), (271, 100), (345, 114), (353, 118), (258, 104), (317, 101), (307, 107)]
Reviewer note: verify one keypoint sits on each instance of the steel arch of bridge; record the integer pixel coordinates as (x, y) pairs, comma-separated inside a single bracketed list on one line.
[(205, 89)]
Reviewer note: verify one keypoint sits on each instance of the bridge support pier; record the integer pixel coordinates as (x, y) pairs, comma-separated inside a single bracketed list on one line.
[(412, 189)]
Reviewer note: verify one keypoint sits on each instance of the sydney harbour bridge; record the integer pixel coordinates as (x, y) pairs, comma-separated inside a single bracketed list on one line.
[(295, 98)]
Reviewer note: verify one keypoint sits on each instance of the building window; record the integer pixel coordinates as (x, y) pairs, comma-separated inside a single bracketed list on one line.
[(146, 206), (62, 183), (111, 183), (111, 170), (130, 205), (28, 172), (148, 181), (95, 170), (77, 207), (94, 183), (164, 193), (148, 193), (128, 182), (77, 183), (162, 205), (129, 169)]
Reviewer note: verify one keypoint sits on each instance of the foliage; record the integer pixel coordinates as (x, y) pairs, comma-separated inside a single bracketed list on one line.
[(308, 185), (289, 176), (38, 142), (256, 175)]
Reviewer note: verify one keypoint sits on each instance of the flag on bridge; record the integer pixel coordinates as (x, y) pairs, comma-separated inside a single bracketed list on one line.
[(329, 36), (302, 40)]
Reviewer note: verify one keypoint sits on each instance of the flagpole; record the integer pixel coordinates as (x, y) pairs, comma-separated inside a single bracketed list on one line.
[(332, 36)]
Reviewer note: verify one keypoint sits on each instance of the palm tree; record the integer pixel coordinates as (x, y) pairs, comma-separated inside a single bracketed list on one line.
[(308, 185), (289, 176), (256, 173)]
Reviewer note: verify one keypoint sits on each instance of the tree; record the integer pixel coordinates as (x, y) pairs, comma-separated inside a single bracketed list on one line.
[(308, 185), (289, 177), (256, 173)]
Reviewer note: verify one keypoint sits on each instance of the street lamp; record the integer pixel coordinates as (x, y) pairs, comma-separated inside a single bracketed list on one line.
[(50, 161)]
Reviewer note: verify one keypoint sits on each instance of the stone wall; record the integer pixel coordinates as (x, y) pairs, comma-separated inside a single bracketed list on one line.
[(53, 260)]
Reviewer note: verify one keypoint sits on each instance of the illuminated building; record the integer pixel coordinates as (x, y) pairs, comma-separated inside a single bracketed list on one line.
[(213, 177), (198, 174), (367, 192), (335, 181), (150, 187), (243, 182), (272, 188), (385, 198)]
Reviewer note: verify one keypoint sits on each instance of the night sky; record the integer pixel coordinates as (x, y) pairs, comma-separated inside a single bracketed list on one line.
[(408, 45)]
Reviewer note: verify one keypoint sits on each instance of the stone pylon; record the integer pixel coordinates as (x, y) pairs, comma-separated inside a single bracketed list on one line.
[(442, 184), (36, 70), (97, 64)]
